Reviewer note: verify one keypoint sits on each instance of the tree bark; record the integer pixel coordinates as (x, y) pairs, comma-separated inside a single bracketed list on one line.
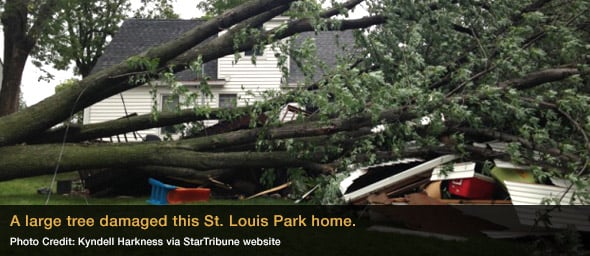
[(125, 125), (18, 43), (12, 75), (32, 160), (16, 51), (539, 77)]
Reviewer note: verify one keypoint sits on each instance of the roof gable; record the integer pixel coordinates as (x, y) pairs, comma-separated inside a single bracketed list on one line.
[(137, 35), (329, 46)]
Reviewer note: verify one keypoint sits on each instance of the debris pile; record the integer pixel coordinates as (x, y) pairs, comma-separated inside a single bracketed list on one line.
[(447, 180), (451, 182)]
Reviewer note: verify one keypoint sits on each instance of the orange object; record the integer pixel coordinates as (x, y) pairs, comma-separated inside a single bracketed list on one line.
[(433, 189), (185, 195)]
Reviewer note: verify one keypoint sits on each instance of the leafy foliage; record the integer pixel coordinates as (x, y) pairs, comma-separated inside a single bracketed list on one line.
[(457, 56), (434, 78), (469, 71), (460, 69), (82, 29), (156, 9)]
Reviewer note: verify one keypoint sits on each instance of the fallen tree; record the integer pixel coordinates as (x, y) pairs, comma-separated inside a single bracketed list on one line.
[(476, 73)]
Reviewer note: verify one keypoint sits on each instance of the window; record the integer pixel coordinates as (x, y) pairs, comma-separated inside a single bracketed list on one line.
[(169, 103), (228, 100)]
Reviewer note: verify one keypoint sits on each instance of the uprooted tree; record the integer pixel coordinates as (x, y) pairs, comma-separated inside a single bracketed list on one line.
[(433, 78)]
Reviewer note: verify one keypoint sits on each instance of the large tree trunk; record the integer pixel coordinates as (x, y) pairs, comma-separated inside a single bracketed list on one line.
[(16, 51), (19, 40), (25, 161), (10, 90)]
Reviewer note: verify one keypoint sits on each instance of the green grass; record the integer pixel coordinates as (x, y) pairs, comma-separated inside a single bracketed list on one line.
[(24, 192)]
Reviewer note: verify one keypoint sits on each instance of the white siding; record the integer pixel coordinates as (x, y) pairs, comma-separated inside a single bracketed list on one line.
[(243, 75), (536, 194), (137, 100), (460, 171), (240, 78)]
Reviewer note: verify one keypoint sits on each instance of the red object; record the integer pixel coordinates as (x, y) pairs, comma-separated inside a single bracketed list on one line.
[(478, 187), (185, 195)]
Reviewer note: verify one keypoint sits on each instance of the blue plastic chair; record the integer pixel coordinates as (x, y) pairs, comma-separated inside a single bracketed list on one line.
[(159, 192)]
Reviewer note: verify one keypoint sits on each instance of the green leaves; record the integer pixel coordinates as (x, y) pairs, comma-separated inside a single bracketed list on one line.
[(427, 50)]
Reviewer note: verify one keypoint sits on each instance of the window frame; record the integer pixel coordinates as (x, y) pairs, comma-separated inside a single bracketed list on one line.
[(232, 96)]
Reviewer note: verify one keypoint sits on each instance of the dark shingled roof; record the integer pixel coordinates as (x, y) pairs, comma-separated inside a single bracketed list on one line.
[(137, 35), (329, 45)]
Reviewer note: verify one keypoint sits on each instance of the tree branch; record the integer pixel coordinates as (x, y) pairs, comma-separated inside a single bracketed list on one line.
[(464, 58), (337, 10), (573, 121), (41, 159), (302, 25), (534, 79), (524, 142), (45, 13), (129, 124)]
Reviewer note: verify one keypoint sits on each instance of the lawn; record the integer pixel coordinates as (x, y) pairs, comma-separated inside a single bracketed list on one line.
[(24, 192)]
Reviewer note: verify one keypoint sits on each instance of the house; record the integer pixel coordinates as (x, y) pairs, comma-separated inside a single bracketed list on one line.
[(229, 81)]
